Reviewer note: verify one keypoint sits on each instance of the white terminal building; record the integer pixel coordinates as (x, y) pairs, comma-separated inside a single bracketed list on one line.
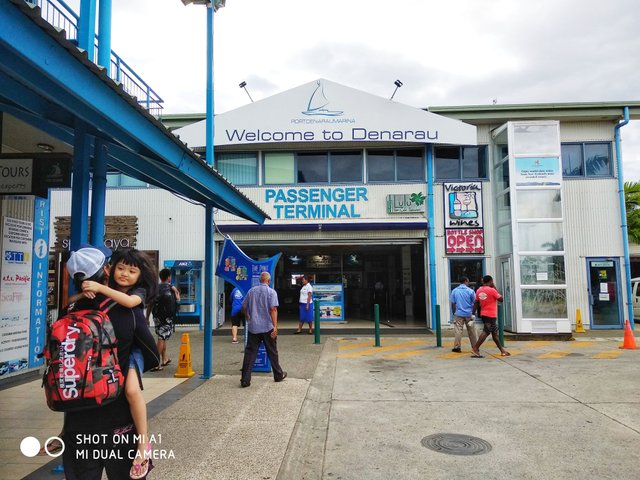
[(392, 204)]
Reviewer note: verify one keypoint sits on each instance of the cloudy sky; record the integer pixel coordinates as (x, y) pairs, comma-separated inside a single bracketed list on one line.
[(458, 52)]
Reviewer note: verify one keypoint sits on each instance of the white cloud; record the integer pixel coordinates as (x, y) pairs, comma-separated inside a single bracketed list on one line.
[(446, 53)]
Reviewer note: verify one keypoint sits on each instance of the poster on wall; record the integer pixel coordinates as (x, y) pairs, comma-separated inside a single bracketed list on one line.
[(331, 301), (538, 171), (463, 220), (15, 294)]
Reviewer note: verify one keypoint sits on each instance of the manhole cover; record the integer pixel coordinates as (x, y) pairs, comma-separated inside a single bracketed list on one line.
[(456, 444)]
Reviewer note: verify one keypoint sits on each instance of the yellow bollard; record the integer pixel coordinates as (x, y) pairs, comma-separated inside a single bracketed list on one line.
[(579, 325), (184, 362)]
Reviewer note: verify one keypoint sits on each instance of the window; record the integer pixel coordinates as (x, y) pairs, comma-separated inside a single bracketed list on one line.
[(238, 168), (313, 167), (460, 163), (586, 159), (279, 168), (395, 165)]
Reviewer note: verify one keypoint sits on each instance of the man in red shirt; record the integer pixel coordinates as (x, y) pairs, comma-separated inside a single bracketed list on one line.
[(487, 298)]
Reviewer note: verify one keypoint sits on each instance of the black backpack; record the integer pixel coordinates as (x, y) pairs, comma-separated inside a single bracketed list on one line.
[(166, 304)]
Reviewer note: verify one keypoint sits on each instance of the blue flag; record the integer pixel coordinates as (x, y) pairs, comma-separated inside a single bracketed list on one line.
[(235, 267)]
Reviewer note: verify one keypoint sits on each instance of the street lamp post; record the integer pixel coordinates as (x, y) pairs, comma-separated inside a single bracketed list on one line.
[(210, 296)]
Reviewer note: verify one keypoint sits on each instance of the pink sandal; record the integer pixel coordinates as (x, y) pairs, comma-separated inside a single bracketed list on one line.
[(141, 470)]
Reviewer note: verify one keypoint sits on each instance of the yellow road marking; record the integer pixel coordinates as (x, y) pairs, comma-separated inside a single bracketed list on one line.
[(369, 343), (608, 354), (373, 351), (554, 355), (408, 353), (541, 343), (581, 344)]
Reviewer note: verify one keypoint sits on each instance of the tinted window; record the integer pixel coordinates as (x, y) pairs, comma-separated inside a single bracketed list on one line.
[(409, 165), (313, 168), (346, 167), (380, 166)]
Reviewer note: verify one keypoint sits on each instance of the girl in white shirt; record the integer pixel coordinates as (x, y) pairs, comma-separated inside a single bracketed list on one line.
[(306, 306)]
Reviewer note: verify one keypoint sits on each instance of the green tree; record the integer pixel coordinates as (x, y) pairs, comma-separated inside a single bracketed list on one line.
[(632, 204)]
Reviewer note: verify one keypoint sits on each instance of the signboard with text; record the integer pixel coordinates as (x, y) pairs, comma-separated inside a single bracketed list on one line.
[(463, 220)]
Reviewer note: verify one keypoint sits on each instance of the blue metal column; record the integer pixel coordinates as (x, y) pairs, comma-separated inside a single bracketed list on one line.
[(623, 215), (432, 236), (80, 185), (104, 35), (87, 27), (209, 265), (209, 294), (98, 193)]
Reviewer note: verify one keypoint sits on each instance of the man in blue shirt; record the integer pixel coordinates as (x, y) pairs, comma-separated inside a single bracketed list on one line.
[(462, 299), (237, 317), (260, 308)]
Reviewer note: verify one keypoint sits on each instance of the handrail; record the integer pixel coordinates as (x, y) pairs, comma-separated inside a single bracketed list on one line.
[(61, 16)]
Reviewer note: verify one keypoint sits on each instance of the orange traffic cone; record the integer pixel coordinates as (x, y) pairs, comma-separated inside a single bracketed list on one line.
[(629, 340), (184, 363)]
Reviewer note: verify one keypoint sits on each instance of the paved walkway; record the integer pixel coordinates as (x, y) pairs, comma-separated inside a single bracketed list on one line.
[(349, 410)]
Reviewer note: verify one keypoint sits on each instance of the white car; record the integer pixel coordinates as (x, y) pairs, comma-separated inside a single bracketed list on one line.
[(635, 294)]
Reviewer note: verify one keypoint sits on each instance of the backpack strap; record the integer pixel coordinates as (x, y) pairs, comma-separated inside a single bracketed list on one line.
[(106, 305)]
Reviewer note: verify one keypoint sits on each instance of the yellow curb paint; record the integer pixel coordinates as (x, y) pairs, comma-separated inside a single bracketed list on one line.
[(609, 354), (373, 351), (409, 353), (580, 344), (351, 346), (554, 355)]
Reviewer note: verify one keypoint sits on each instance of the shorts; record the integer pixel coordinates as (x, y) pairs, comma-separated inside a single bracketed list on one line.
[(136, 360), (237, 319), (164, 328), (490, 325), (306, 315)]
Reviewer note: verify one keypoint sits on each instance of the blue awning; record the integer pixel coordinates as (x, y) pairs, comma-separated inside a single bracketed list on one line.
[(46, 81)]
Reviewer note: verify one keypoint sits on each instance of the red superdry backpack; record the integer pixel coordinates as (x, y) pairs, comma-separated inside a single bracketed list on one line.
[(82, 361)]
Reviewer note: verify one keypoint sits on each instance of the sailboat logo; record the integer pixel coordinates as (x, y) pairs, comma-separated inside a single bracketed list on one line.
[(318, 103)]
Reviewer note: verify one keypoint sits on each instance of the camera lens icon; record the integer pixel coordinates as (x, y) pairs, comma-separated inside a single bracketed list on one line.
[(30, 447)]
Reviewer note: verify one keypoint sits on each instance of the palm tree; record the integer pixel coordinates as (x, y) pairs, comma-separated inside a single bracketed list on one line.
[(632, 204)]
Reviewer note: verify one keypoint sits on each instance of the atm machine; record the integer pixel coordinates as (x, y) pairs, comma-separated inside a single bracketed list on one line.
[(186, 276)]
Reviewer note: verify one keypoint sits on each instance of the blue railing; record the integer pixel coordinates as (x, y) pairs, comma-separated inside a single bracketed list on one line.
[(61, 16)]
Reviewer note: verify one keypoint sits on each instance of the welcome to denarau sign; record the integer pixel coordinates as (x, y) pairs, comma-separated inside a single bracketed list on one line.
[(324, 111)]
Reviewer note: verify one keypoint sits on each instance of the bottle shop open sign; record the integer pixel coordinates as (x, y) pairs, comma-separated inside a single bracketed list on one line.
[(463, 222)]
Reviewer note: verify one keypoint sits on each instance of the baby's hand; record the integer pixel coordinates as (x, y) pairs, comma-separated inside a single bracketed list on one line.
[(90, 286)]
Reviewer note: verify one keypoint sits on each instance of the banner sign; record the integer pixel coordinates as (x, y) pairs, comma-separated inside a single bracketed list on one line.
[(331, 299), (235, 267), (15, 293), (463, 220), (39, 280)]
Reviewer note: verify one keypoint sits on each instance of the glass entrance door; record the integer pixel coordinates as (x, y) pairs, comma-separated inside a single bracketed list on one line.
[(604, 292), (505, 270)]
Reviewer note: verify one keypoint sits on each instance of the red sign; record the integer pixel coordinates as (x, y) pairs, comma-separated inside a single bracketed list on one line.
[(464, 240)]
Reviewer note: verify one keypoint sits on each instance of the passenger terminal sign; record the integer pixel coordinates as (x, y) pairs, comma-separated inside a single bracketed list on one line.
[(316, 202), (324, 111)]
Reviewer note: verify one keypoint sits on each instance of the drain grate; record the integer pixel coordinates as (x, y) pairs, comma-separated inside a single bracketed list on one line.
[(456, 444)]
